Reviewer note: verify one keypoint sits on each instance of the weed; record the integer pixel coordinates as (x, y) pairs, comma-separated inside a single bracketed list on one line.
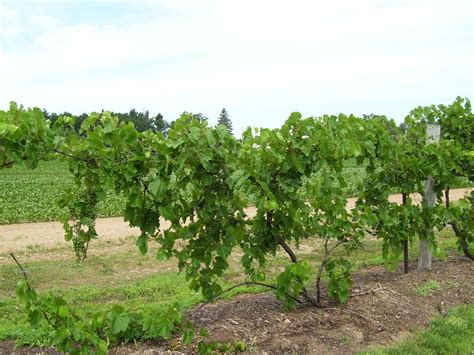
[(450, 335), (428, 288)]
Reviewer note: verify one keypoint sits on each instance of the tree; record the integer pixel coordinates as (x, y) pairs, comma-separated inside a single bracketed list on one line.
[(403, 127), (52, 117), (224, 120), (160, 124), (78, 122), (141, 120)]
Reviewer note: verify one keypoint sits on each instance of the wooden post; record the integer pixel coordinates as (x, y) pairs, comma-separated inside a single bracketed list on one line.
[(405, 242), (433, 133)]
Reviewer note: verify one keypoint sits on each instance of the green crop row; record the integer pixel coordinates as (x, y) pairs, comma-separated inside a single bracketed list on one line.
[(31, 195)]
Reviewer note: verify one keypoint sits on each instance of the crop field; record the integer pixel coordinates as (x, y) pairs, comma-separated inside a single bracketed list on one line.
[(31, 195)]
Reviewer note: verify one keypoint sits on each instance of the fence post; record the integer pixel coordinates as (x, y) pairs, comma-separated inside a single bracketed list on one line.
[(433, 132), (405, 242)]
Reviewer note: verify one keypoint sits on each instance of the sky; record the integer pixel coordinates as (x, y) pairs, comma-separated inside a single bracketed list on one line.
[(258, 59)]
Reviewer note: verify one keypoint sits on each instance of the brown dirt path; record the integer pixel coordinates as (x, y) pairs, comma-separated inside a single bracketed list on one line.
[(50, 235)]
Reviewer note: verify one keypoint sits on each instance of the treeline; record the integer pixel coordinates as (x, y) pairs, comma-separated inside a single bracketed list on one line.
[(142, 121)]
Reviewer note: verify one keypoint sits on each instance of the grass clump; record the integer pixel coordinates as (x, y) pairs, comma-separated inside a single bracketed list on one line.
[(453, 334), (428, 288)]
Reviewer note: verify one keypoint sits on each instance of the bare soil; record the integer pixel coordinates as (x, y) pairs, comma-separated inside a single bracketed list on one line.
[(16, 238), (384, 308)]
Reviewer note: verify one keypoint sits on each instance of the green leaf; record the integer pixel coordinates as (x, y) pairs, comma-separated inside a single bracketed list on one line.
[(194, 133), (237, 178), (176, 143), (35, 317), (167, 212), (158, 188), (120, 323), (162, 254), (210, 138), (188, 333), (166, 329), (142, 244)]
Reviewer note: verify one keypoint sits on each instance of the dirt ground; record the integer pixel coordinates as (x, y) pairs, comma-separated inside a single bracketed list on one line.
[(384, 308), (16, 238)]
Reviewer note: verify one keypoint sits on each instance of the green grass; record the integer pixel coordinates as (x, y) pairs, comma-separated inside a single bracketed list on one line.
[(139, 282), (150, 293), (122, 277), (31, 195), (451, 335), (428, 288)]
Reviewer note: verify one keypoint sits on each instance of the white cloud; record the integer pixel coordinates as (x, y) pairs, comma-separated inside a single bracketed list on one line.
[(8, 22), (44, 20), (259, 59)]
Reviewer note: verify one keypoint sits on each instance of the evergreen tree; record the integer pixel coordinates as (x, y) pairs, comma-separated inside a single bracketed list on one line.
[(78, 121), (225, 120), (403, 127), (160, 124)]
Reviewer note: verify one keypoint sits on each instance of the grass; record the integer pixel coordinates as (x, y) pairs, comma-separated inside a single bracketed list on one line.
[(428, 288), (31, 195), (151, 293), (116, 273), (445, 335)]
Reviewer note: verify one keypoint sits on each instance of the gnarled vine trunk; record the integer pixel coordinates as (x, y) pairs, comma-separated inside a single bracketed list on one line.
[(461, 234)]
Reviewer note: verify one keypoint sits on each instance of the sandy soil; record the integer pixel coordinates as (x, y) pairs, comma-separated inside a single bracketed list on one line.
[(19, 237)]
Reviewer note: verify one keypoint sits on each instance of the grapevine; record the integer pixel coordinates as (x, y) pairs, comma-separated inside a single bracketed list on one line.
[(202, 180)]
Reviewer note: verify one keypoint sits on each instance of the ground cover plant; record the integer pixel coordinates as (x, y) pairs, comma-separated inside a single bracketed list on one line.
[(203, 181), (451, 334), (140, 283), (32, 195)]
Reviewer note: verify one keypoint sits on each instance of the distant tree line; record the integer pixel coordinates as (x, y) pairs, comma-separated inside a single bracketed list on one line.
[(142, 120), (403, 127)]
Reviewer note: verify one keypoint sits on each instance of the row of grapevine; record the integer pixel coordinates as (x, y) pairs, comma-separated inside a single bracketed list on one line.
[(203, 180)]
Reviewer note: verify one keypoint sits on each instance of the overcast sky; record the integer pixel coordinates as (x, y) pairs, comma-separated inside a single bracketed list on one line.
[(260, 60)]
